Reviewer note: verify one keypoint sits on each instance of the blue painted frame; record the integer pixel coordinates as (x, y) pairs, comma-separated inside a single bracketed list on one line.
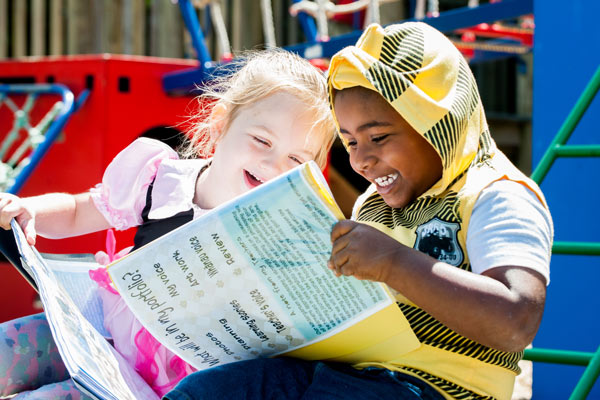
[(69, 106)]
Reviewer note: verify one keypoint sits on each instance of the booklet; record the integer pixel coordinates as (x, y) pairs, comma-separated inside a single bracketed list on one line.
[(72, 273), (250, 279), (93, 364), (247, 279)]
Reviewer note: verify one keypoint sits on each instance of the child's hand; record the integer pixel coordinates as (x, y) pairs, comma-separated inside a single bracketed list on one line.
[(362, 251), (11, 207)]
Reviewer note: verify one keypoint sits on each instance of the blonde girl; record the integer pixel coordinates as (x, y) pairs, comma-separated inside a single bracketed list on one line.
[(269, 116)]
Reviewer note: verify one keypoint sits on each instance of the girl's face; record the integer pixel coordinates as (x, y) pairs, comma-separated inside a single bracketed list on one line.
[(384, 148), (264, 140)]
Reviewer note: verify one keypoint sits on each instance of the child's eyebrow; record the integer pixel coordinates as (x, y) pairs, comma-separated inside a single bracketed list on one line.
[(261, 127), (368, 125), (305, 154)]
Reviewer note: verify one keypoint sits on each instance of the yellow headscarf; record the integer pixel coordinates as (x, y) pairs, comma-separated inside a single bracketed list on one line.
[(427, 80)]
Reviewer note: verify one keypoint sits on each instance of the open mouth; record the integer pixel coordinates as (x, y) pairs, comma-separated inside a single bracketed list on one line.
[(252, 180), (386, 180)]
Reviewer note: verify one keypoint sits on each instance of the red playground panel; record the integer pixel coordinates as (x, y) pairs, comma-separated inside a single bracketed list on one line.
[(126, 101)]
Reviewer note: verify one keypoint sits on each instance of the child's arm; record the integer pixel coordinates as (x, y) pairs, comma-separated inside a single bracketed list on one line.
[(53, 215), (501, 308)]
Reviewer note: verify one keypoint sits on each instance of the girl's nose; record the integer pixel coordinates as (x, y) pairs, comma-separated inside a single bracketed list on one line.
[(362, 159), (274, 165)]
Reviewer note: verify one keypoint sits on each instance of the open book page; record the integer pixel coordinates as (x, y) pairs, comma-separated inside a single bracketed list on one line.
[(250, 279), (72, 273), (91, 361)]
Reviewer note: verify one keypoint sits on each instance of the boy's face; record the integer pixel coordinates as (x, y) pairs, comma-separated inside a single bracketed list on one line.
[(384, 148)]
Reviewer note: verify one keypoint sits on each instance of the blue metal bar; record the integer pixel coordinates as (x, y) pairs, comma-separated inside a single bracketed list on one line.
[(324, 49), (356, 21), (191, 22), (412, 5), (465, 17), (80, 100), (207, 21), (54, 129), (184, 81), (308, 25), (447, 21)]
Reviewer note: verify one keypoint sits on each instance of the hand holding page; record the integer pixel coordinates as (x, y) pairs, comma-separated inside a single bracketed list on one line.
[(250, 279)]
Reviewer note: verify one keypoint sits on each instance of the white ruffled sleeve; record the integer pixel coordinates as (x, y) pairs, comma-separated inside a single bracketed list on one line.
[(121, 196)]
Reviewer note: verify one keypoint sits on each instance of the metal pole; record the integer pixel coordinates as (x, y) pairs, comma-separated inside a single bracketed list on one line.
[(577, 248), (558, 356), (585, 384)]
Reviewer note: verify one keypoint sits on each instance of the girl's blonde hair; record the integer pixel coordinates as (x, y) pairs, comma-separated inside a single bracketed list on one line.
[(260, 74)]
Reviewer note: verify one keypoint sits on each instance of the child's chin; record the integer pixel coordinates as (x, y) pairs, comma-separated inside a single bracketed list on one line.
[(395, 201)]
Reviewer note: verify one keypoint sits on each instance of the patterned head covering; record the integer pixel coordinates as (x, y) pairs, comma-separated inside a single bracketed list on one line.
[(428, 82)]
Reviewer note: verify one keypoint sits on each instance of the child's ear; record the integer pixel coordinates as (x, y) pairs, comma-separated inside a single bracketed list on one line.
[(217, 117)]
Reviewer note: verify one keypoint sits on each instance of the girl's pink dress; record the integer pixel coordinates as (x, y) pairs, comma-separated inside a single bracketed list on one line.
[(121, 198)]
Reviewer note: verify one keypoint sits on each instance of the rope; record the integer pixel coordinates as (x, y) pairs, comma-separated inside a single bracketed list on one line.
[(430, 9), (434, 8), (219, 23), (216, 15), (268, 23), (21, 121), (322, 26), (372, 15), (419, 10), (35, 135)]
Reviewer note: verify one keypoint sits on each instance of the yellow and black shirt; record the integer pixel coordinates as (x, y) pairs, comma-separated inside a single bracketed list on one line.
[(428, 82)]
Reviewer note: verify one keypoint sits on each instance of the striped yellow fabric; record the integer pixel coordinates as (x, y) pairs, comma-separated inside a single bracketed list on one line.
[(425, 78)]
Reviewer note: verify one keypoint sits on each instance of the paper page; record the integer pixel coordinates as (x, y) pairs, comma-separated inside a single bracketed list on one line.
[(90, 360), (248, 279), (72, 273)]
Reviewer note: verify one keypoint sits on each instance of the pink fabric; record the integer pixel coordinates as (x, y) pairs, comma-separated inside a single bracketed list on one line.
[(134, 168), (152, 368), (174, 187), (100, 275), (121, 198), (158, 366)]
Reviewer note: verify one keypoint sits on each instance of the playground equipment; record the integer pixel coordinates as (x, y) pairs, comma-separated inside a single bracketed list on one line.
[(117, 110), (125, 101), (317, 46), (560, 148), (447, 22), (26, 143)]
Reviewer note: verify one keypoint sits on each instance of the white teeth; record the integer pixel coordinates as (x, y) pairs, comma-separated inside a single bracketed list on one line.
[(386, 180), (255, 177)]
